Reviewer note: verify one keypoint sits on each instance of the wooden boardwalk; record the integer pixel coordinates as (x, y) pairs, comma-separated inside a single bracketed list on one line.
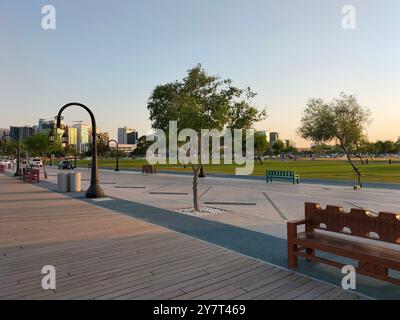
[(101, 254)]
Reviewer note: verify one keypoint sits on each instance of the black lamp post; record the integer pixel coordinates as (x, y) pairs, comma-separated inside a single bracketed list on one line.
[(94, 191), (18, 172), (117, 163)]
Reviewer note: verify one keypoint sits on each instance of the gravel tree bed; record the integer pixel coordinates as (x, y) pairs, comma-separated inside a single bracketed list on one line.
[(204, 211)]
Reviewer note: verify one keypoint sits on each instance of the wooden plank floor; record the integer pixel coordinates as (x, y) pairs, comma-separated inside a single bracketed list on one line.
[(101, 254)]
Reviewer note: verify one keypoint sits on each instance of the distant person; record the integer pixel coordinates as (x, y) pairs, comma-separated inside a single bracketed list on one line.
[(366, 161), (390, 161)]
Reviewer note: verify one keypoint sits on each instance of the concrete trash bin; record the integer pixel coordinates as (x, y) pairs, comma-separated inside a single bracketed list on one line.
[(74, 182), (62, 182)]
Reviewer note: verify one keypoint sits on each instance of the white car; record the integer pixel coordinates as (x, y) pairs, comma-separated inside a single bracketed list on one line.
[(5, 162), (36, 162)]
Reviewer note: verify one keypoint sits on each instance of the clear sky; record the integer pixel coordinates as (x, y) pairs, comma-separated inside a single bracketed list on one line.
[(111, 54)]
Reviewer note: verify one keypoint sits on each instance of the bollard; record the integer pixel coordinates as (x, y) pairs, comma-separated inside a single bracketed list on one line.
[(62, 182), (74, 181)]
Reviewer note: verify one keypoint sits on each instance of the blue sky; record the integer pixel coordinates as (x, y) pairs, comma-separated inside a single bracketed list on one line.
[(111, 54)]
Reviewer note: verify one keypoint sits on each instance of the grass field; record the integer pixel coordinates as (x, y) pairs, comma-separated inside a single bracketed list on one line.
[(375, 171)]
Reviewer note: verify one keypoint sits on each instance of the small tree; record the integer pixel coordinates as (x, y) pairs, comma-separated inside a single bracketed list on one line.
[(343, 120), (202, 101), (278, 147), (260, 145), (39, 145), (141, 147)]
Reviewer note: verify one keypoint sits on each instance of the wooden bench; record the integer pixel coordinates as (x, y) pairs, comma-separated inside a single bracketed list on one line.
[(149, 169), (341, 233), (285, 175), (31, 175), (2, 168)]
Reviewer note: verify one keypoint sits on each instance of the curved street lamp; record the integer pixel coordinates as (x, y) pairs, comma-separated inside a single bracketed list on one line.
[(94, 191), (117, 163), (18, 172)]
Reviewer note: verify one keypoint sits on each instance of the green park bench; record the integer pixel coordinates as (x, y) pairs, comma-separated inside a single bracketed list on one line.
[(284, 175)]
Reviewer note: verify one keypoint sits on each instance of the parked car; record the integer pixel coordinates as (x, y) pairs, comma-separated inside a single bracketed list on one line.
[(5, 162), (36, 162), (65, 164)]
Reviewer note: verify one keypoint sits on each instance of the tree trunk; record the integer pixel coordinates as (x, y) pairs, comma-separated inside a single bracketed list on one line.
[(357, 171), (259, 159), (44, 167), (195, 187)]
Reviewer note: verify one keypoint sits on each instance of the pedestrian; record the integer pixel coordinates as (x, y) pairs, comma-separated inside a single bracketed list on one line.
[(390, 161)]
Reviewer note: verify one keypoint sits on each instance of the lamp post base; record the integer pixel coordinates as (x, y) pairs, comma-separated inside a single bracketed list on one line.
[(94, 191)]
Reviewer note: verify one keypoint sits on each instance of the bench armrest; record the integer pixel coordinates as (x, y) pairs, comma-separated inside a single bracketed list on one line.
[(292, 228), (297, 222)]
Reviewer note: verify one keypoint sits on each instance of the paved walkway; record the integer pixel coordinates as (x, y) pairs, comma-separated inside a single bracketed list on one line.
[(101, 254)]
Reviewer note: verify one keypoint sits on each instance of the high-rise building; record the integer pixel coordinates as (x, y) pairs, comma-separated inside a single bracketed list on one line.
[(132, 137), (73, 136), (83, 134), (123, 135), (22, 132), (44, 126), (273, 137)]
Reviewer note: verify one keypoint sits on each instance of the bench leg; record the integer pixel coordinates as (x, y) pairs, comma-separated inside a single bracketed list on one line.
[(292, 258), (292, 248), (310, 252)]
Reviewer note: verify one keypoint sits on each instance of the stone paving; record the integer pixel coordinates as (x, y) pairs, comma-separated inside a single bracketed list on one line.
[(273, 203)]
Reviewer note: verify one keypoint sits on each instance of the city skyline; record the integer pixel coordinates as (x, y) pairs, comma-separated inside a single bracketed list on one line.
[(113, 63)]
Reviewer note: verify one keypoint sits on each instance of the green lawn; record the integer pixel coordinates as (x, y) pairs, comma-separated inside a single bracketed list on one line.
[(375, 171)]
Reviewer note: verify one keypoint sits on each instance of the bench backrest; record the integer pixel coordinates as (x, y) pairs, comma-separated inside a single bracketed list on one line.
[(279, 173), (384, 226)]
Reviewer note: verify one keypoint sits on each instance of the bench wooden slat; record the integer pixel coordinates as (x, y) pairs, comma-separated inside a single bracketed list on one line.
[(350, 248)]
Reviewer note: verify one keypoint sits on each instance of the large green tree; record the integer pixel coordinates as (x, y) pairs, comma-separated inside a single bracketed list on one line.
[(342, 120), (202, 101)]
